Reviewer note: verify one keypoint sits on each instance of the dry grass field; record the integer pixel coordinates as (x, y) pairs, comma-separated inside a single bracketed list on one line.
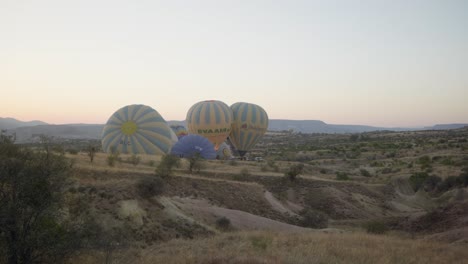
[(350, 183)]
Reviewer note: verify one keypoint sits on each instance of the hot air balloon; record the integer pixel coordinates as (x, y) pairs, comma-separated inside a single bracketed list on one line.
[(179, 130), (224, 151), (137, 129), (211, 119), (249, 125), (191, 145)]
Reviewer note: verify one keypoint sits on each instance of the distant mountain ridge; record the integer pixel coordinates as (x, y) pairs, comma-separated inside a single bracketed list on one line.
[(12, 123), (28, 131)]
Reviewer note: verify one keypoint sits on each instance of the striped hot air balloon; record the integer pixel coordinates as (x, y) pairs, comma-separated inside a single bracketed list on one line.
[(179, 130), (211, 119), (249, 125), (137, 129)]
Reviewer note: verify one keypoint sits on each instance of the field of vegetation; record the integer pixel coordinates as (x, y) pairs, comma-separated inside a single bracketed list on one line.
[(379, 197)]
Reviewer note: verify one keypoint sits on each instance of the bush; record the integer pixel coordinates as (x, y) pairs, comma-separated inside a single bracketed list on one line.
[(111, 159), (313, 219), (134, 159), (32, 186), (431, 182), (223, 223), (417, 179), (375, 227), (294, 171), (150, 186), (195, 163), (365, 173), (242, 176), (342, 176), (72, 151), (245, 172), (166, 166)]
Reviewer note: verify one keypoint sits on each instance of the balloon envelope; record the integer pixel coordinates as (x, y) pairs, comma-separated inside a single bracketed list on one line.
[(249, 125), (211, 119), (224, 151), (192, 144), (179, 130), (137, 129)]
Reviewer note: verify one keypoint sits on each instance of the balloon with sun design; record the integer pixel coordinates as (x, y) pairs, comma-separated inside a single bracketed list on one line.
[(137, 129)]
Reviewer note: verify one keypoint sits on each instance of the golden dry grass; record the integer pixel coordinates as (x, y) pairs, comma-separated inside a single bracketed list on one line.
[(269, 247)]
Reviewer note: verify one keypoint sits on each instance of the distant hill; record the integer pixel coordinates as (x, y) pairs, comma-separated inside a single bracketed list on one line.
[(30, 131), (11, 123), (74, 131)]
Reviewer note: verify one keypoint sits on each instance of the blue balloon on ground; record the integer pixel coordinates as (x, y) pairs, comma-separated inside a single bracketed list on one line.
[(192, 144)]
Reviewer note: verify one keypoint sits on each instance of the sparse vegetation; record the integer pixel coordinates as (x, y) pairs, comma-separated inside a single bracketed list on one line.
[(166, 166), (148, 187), (313, 219), (134, 159), (376, 227), (294, 171), (31, 184), (342, 176), (195, 163), (223, 223), (365, 173)]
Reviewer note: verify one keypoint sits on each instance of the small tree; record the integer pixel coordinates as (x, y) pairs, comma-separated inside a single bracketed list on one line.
[(31, 184), (166, 166), (195, 163), (294, 171), (113, 156), (91, 153)]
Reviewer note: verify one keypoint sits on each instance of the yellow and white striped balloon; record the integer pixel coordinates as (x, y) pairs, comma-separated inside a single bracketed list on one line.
[(137, 129), (249, 125), (211, 119)]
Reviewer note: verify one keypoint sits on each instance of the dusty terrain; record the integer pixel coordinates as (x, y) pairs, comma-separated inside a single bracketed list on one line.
[(256, 196)]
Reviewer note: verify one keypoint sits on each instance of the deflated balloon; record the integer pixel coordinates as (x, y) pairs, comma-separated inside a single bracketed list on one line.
[(137, 129), (191, 145), (249, 125), (179, 130), (211, 119)]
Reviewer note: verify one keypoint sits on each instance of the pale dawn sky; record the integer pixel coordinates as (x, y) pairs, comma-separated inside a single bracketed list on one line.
[(383, 63)]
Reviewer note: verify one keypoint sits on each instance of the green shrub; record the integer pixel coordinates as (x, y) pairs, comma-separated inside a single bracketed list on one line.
[(260, 242), (313, 219), (166, 166), (365, 173), (375, 227), (223, 223), (111, 159), (134, 159), (149, 186), (294, 171), (417, 179), (72, 151), (342, 176)]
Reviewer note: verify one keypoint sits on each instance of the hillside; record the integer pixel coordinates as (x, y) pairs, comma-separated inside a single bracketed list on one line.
[(11, 123), (354, 202)]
